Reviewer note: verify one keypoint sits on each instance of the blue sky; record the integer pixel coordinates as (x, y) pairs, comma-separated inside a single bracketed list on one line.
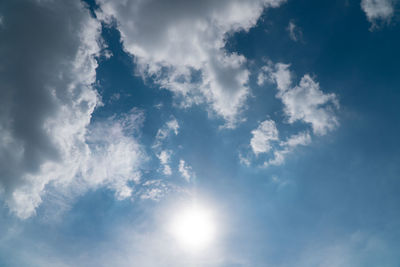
[(275, 122)]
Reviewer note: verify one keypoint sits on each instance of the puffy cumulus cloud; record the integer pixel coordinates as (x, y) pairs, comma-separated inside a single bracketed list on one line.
[(47, 67), (304, 102), (262, 137), (180, 45), (378, 10)]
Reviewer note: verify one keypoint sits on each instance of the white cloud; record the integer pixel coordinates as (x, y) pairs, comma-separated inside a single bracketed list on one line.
[(180, 44), (378, 10), (171, 126), (154, 190), (302, 138), (108, 156), (304, 102), (288, 146), (48, 60), (266, 141), (164, 157), (262, 137), (186, 171)]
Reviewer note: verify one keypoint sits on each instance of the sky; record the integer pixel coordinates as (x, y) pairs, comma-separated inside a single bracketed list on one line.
[(258, 133)]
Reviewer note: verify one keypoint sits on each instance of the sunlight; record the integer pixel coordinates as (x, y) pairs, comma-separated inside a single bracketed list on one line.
[(193, 227)]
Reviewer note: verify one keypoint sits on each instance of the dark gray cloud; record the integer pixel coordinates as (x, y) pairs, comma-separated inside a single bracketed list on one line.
[(47, 66)]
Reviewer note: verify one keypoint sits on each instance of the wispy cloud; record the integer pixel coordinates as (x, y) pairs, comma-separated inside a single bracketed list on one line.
[(295, 32), (186, 171)]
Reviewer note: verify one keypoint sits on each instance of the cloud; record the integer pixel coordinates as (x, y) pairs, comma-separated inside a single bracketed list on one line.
[(48, 65), (180, 46), (171, 126), (186, 171), (295, 33), (266, 141), (115, 155), (155, 190), (262, 136), (164, 157), (378, 10), (288, 146), (304, 102)]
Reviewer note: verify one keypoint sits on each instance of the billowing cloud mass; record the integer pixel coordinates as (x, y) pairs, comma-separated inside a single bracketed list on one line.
[(47, 63), (376, 10), (180, 45)]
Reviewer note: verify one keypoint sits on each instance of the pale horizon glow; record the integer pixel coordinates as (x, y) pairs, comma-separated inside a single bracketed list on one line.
[(193, 227)]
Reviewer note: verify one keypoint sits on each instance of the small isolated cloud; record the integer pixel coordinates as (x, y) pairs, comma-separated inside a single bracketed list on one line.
[(304, 102), (295, 32), (266, 141), (378, 10), (262, 136), (180, 46), (164, 157), (186, 171), (170, 127)]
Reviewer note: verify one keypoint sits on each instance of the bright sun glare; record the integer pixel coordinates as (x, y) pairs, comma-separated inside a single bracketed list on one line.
[(193, 227)]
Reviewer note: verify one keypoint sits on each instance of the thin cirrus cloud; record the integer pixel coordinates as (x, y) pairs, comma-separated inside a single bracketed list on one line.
[(186, 171), (295, 32), (182, 48)]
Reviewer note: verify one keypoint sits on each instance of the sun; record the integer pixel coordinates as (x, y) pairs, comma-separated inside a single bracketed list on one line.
[(193, 227)]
